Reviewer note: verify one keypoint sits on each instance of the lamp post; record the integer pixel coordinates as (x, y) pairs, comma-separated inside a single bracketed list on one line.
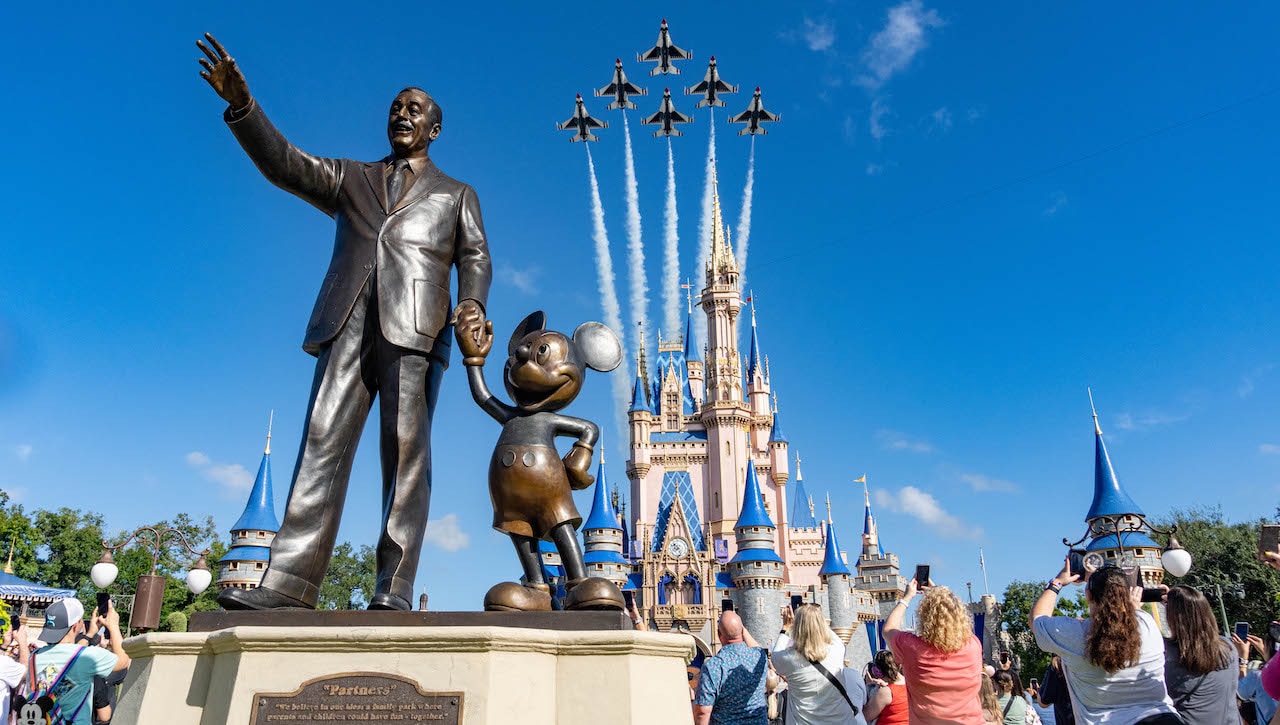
[(149, 596), (1236, 590), (1175, 559)]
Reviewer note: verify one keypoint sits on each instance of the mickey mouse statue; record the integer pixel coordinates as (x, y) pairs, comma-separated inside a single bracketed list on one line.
[(529, 484)]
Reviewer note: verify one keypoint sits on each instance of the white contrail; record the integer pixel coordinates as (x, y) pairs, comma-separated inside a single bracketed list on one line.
[(608, 293), (671, 258), (744, 216), (635, 248), (704, 226)]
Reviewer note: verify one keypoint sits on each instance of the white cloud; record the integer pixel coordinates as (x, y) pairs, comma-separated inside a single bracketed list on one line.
[(1057, 202), (895, 441), (819, 35), (23, 451), (445, 533), (233, 477), (1270, 449), (1249, 381), (942, 119), (979, 482), (904, 35), (525, 280), (1131, 422), (924, 507), (879, 109)]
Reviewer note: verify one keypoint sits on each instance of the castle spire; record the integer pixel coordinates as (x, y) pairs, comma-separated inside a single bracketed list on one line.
[(260, 512), (754, 358), (270, 421), (801, 503), (8, 567), (832, 562), (829, 519), (721, 260), (775, 432), (602, 515), (1109, 498), (690, 348)]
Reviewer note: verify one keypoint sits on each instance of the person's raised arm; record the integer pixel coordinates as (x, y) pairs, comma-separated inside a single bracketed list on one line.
[(1048, 600), (879, 700), (898, 615), (112, 622), (222, 73)]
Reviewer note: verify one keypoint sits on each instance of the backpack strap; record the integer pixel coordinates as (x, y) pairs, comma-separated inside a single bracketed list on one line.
[(56, 714), (1008, 705), (838, 684)]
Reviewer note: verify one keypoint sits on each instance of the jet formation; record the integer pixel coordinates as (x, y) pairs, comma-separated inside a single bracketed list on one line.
[(711, 88)]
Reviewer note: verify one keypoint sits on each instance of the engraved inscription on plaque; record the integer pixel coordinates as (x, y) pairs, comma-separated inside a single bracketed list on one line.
[(357, 697)]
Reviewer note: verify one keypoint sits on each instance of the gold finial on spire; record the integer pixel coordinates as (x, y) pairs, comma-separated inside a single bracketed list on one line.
[(1096, 428), (829, 519), (270, 422), (8, 567)]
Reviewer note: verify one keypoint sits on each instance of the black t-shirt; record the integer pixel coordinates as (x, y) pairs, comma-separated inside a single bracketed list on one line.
[(104, 693), (1053, 691)]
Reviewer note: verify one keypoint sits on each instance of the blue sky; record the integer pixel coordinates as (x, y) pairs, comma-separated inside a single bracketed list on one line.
[(966, 216)]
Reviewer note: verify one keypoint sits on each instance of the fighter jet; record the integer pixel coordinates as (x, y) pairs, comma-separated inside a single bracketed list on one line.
[(620, 88), (581, 124), (711, 87), (754, 116), (668, 116), (663, 53)]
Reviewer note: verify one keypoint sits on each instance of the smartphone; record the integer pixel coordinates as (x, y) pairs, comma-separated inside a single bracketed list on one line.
[(922, 576), (1269, 539), (1035, 684), (796, 601), (726, 605), (1273, 629), (1153, 595), (630, 598), (1242, 631), (104, 603), (1004, 656), (1076, 557), (15, 623)]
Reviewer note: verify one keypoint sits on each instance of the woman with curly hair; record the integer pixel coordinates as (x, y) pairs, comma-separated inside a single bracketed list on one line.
[(942, 662), (1199, 664), (1114, 660), (889, 703)]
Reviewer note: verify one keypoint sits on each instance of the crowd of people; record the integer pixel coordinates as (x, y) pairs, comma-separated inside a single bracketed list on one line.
[(1111, 667), (72, 670)]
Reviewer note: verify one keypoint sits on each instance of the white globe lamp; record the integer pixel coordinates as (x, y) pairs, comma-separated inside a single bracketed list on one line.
[(104, 572), (1175, 559)]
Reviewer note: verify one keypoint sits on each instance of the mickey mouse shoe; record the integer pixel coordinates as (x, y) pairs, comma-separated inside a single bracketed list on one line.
[(593, 593)]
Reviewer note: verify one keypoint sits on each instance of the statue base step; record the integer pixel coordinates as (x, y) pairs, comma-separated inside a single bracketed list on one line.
[(370, 673)]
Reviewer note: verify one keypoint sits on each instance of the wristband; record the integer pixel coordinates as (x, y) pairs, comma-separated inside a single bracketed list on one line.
[(1054, 587)]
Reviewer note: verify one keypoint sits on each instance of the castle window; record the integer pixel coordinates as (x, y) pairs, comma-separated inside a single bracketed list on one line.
[(257, 565), (232, 566), (715, 499), (262, 534), (1138, 553)]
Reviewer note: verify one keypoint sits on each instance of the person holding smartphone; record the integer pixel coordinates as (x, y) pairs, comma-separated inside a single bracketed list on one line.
[(13, 665), (1200, 665), (889, 702), (941, 660), (1114, 659), (1249, 687)]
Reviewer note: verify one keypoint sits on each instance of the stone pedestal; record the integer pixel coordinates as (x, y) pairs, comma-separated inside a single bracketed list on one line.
[(501, 674)]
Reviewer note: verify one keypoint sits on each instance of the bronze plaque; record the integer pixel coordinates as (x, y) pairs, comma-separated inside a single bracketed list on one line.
[(357, 697)]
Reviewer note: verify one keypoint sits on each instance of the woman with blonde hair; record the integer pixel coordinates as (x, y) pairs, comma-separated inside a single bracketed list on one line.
[(942, 662), (990, 701), (811, 657)]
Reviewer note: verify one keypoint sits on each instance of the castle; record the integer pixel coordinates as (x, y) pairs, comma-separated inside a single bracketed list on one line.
[(709, 470), (251, 535)]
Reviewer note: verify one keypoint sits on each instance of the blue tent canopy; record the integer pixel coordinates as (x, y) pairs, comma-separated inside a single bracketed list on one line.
[(16, 589)]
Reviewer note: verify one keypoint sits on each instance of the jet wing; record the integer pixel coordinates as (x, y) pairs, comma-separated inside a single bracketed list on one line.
[(722, 87), (701, 87), (678, 117), (608, 90), (634, 90), (654, 53), (675, 53), (590, 122), (571, 123), (765, 116), (744, 117), (658, 117)]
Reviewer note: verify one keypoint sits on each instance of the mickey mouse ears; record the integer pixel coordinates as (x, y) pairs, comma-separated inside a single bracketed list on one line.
[(598, 346)]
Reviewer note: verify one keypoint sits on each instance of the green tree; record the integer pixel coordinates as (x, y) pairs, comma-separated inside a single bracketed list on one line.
[(18, 536), (173, 561), (71, 542), (1015, 612), (350, 580), (1225, 555)]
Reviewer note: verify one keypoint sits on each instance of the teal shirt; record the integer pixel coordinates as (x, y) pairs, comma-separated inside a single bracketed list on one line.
[(75, 693)]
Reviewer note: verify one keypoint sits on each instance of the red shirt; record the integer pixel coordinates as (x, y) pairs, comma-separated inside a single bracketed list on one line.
[(896, 712), (942, 689)]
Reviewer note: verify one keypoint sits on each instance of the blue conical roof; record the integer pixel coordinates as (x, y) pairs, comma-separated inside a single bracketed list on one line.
[(753, 513), (639, 398), (801, 516), (754, 359), (690, 349), (260, 512), (1109, 499), (602, 514), (775, 432), (831, 561)]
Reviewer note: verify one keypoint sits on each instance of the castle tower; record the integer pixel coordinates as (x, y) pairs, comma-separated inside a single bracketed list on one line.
[(758, 390), (756, 570), (878, 572), (838, 581), (602, 536), (640, 420), (251, 535), (802, 514), (697, 386), (1112, 509)]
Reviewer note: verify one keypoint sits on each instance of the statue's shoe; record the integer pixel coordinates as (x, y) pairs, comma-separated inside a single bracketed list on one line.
[(389, 602), (260, 598), (593, 593), (513, 597)]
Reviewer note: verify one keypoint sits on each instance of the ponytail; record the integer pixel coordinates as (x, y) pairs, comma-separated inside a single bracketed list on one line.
[(1112, 642)]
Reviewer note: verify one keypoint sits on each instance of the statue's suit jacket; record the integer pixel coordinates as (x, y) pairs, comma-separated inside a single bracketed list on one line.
[(436, 225)]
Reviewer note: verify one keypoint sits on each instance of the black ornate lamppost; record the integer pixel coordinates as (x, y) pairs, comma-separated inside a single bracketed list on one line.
[(1175, 559), (149, 596)]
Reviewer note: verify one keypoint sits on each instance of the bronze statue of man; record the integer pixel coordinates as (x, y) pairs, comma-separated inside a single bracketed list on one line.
[(380, 329)]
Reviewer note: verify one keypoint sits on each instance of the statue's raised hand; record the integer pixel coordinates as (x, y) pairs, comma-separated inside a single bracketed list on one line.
[(221, 72)]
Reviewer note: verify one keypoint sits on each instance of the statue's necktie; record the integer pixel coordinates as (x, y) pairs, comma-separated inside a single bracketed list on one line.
[(395, 182)]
